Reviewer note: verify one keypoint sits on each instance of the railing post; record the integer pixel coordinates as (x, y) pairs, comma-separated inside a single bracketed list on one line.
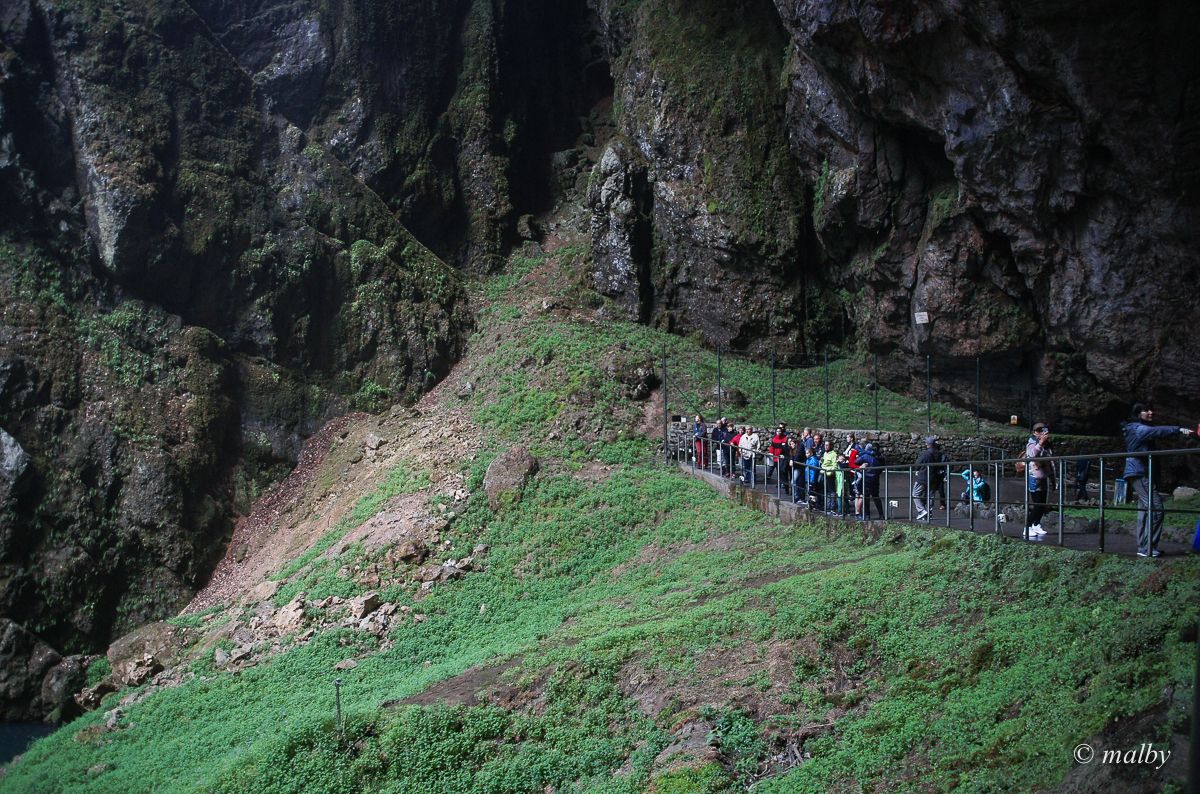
[(1025, 490), (828, 420), (876, 392), (1149, 503), (886, 505), (719, 394), (666, 409), (971, 495), (772, 388), (978, 419), (946, 490), (997, 468), (928, 393), (1101, 528), (1062, 470), (910, 496)]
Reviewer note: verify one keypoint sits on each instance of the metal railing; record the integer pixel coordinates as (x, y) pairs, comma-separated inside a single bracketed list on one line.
[(867, 486), (696, 382)]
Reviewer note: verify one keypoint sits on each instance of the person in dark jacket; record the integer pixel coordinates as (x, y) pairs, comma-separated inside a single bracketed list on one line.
[(867, 459), (720, 442), (928, 479), (1140, 434), (700, 439)]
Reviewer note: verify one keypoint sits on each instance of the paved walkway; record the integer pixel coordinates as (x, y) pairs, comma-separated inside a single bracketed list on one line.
[(895, 491)]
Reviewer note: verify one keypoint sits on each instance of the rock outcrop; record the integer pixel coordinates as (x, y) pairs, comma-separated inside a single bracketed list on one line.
[(1000, 168), (507, 474), (191, 286)]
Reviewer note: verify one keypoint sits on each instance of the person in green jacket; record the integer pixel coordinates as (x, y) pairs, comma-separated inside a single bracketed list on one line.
[(829, 468)]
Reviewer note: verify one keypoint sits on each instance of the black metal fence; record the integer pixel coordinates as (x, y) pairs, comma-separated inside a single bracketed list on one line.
[(891, 488), (871, 392)]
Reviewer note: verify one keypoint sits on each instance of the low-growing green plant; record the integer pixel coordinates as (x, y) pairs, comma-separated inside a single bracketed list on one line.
[(98, 670)]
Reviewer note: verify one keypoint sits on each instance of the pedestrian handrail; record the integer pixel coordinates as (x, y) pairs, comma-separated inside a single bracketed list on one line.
[(731, 460)]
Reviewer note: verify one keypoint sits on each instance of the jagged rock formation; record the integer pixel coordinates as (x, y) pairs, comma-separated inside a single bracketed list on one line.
[(449, 110), (999, 167)]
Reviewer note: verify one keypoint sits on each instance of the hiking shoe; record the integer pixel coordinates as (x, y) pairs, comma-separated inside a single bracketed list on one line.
[(1155, 553), (923, 515), (1036, 530)]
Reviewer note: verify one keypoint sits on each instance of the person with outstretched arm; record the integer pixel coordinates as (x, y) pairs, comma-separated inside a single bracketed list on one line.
[(1140, 434)]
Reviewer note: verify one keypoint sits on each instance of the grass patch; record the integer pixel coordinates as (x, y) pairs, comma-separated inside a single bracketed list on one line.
[(956, 651)]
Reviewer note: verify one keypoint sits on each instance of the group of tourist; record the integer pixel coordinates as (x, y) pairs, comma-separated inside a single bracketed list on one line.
[(837, 476), (816, 472)]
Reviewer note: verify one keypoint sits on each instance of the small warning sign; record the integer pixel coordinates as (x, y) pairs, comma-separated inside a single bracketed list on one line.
[(922, 318)]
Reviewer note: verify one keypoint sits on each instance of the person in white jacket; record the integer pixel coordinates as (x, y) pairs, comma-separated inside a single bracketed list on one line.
[(749, 446)]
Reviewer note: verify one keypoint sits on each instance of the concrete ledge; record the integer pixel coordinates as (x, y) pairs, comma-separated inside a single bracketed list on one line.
[(785, 511)]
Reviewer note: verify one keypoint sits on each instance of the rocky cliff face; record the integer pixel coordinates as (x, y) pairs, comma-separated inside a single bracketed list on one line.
[(225, 221), (451, 111), (1024, 173), (189, 287)]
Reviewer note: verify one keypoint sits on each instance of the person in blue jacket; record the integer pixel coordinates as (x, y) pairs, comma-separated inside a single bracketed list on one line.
[(976, 486), (1140, 433)]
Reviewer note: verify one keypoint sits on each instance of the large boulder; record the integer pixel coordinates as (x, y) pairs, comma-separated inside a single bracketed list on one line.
[(143, 652), (506, 476)]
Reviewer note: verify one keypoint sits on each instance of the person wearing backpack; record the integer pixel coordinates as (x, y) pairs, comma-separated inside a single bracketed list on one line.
[(1140, 434), (1039, 478), (794, 454)]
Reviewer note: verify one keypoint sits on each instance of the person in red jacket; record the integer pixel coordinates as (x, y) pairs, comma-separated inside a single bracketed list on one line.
[(735, 455), (778, 442)]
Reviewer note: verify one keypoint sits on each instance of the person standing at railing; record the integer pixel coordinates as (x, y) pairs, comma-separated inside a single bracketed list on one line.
[(1083, 470), (868, 459), (778, 442), (720, 440), (1140, 434), (812, 473), (748, 445), (1039, 477), (700, 441), (845, 480), (795, 459), (853, 475), (829, 471), (928, 479), (807, 441)]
